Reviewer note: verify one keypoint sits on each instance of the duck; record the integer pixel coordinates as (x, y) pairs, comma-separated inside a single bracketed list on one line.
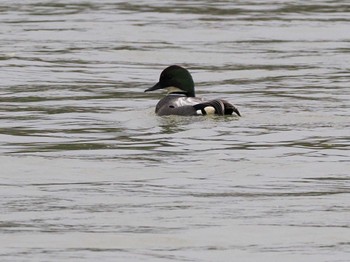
[(181, 99)]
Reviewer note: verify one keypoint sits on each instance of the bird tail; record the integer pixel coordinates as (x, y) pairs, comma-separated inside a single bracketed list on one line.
[(229, 108)]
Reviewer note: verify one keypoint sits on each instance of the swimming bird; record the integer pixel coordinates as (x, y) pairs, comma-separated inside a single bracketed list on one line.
[(181, 99)]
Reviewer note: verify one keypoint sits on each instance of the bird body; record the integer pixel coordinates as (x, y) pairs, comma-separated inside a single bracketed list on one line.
[(181, 99)]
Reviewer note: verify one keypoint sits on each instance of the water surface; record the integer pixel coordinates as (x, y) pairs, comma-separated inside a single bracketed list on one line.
[(90, 172)]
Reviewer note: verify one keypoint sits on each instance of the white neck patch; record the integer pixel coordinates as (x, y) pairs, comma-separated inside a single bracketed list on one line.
[(173, 89)]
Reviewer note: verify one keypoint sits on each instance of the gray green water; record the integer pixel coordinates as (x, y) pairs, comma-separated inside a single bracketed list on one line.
[(88, 172)]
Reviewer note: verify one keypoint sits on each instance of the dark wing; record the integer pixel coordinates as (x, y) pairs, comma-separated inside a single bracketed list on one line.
[(211, 107), (218, 107)]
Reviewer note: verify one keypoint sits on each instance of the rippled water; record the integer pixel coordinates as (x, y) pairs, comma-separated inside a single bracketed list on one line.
[(90, 172)]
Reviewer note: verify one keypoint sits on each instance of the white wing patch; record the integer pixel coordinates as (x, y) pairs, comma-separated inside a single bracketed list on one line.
[(209, 110)]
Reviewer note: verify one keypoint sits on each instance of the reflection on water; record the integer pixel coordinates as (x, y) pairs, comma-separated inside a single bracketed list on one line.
[(89, 171)]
